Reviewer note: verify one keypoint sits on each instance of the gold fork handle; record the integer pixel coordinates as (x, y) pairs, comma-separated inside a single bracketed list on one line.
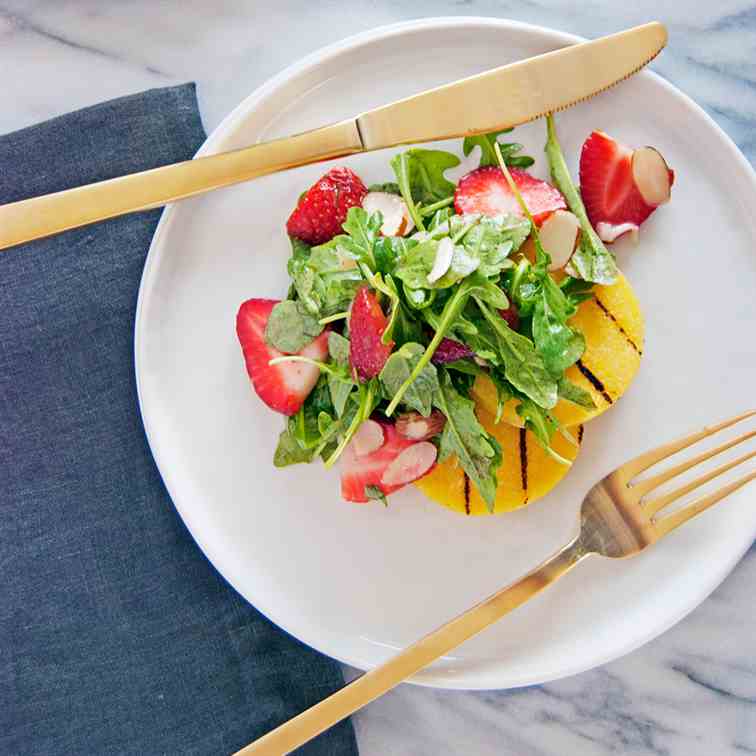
[(52, 213), (378, 681)]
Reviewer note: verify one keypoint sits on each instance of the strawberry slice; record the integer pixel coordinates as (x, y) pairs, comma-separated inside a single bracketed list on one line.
[(621, 187), (367, 353), (388, 468), (285, 386), (319, 214), (485, 190)]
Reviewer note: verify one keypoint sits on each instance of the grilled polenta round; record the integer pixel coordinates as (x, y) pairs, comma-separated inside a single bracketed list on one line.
[(527, 472), (612, 324)]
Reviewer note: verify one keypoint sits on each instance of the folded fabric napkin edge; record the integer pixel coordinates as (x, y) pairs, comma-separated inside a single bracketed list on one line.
[(121, 637)]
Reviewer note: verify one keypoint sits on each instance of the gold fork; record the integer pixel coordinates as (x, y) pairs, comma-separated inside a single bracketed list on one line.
[(617, 520)]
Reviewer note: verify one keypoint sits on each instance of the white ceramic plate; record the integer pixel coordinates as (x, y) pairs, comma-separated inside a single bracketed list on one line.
[(359, 582)]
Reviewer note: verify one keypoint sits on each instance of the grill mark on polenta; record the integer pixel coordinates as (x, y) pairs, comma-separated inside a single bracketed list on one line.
[(594, 381), (616, 322), (580, 434), (467, 493), (524, 461)]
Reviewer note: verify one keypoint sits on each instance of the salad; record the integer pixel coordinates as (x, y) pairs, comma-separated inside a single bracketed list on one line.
[(456, 335)]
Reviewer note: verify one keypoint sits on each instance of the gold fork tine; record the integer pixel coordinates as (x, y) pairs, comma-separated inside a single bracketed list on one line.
[(667, 524), (635, 466), (659, 503), (642, 487)]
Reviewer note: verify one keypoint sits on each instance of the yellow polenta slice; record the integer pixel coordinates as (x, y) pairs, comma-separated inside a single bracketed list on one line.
[(527, 472), (612, 324)]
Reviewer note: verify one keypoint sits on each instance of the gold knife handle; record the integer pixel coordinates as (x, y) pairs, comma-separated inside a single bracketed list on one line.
[(378, 681), (52, 213)]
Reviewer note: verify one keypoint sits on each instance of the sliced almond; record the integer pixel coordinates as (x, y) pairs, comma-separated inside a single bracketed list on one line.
[(559, 235), (652, 176), (610, 232), (414, 426), (396, 217), (444, 255), (410, 465), (368, 438)]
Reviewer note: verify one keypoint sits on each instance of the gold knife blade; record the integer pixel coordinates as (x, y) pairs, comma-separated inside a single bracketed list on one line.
[(506, 96), (513, 94)]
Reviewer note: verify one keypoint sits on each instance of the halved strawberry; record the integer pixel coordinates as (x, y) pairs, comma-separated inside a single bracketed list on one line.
[(367, 353), (485, 190), (621, 187), (318, 216), (285, 386), (392, 466)]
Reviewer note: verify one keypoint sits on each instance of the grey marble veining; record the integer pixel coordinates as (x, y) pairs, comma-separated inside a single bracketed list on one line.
[(691, 692)]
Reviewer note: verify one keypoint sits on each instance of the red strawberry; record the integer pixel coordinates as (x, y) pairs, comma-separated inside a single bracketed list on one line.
[(367, 354), (397, 462), (621, 187), (485, 190), (319, 214), (285, 386)]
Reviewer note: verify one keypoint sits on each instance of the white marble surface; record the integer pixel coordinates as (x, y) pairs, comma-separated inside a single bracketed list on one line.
[(691, 692)]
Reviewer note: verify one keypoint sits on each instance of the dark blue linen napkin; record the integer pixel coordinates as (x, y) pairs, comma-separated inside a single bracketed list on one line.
[(118, 636)]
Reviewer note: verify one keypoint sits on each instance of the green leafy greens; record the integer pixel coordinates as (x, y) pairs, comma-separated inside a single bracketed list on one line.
[(591, 261), (453, 278)]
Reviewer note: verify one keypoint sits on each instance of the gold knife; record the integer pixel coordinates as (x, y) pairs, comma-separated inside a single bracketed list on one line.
[(490, 101)]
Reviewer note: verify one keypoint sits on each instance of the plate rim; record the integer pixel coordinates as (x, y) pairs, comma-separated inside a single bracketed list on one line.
[(430, 677)]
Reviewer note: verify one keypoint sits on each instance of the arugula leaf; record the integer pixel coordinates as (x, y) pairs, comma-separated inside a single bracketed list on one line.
[(291, 327), (299, 250), (338, 348), (524, 287), (400, 327), (440, 217), (480, 243), (466, 366), (427, 179), (420, 176), (577, 291), (542, 425), (485, 344), (571, 392), (328, 277), (416, 265), (309, 431), (419, 299), (463, 435), (289, 452), (559, 345), (453, 307), (388, 250), (367, 397), (487, 155), (504, 392), (327, 280), (488, 291), (363, 230), (591, 261), (492, 240), (390, 187), (340, 393), (339, 386), (523, 365), (399, 367), (376, 494)]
